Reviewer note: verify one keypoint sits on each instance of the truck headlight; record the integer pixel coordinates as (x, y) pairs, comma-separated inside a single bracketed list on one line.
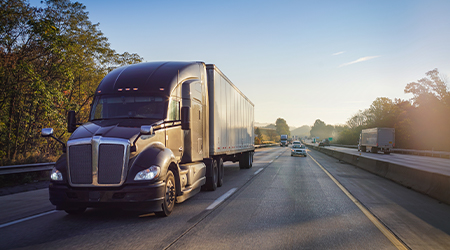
[(56, 175), (148, 174)]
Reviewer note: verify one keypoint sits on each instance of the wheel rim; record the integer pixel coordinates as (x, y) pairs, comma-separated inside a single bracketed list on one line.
[(170, 193)]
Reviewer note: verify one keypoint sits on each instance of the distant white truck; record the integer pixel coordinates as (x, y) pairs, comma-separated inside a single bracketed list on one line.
[(284, 140), (377, 139)]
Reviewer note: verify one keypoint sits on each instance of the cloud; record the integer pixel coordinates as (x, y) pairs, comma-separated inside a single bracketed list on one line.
[(362, 59), (338, 53)]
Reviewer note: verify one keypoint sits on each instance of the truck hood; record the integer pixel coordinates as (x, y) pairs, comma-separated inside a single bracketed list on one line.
[(123, 129)]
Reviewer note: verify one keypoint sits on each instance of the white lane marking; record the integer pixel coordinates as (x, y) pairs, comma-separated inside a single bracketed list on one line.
[(221, 198), (25, 219), (378, 223), (259, 170)]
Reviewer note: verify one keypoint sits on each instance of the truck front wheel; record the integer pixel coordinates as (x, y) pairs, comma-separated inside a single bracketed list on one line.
[(169, 196)]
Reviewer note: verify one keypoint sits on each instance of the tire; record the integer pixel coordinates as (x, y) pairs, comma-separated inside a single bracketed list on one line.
[(169, 196), (221, 172), (75, 211), (245, 161), (211, 181)]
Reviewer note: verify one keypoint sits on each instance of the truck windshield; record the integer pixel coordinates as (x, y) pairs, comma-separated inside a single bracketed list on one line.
[(111, 107)]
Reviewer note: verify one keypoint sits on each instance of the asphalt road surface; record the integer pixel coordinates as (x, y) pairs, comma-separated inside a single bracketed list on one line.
[(283, 202)]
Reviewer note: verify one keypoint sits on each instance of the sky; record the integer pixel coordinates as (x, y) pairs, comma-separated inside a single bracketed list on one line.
[(296, 60)]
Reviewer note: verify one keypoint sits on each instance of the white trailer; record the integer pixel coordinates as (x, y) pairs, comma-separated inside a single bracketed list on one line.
[(377, 139), (231, 120)]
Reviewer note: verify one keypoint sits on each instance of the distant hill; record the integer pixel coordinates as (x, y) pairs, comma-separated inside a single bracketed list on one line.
[(261, 125), (271, 126), (301, 131)]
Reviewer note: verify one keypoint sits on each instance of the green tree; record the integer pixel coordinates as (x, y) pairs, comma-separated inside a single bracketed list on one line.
[(281, 127), (51, 60), (429, 117), (321, 130), (258, 137), (273, 135), (382, 113), (429, 89), (419, 123)]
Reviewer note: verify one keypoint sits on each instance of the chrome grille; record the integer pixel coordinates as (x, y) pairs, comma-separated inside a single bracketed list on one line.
[(80, 159), (98, 161), (110, 163)]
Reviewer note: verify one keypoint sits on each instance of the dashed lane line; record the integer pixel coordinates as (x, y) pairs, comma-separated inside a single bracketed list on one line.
[(27, 218)]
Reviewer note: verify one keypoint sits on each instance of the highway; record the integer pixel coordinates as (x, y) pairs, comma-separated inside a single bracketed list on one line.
[(283, 202)]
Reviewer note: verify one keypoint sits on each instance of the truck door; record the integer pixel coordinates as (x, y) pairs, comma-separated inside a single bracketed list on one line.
[(193, 140), (174, 134), (196, 121)]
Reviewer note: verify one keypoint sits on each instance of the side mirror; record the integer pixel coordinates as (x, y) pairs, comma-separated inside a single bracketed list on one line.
[(146, 130), (185, 121), (71, 121), (47, 132)]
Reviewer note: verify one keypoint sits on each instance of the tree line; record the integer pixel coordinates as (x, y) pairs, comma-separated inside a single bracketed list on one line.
[(51, 61), (272, 132), (421, 123)]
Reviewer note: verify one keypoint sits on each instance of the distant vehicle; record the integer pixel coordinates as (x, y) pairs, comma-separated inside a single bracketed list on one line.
[(377, 139), (298, 149), (283, 140), (324, 142), (296, 143)]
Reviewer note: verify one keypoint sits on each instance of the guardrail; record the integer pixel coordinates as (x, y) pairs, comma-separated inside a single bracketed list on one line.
[(267, 145), (432, 153), (37, 167), (26, 168)]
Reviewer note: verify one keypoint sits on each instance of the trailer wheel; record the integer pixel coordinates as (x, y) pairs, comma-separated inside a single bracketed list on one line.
[(211, 181), (169, 197), (75, 211), (246, 160), (221, 172)]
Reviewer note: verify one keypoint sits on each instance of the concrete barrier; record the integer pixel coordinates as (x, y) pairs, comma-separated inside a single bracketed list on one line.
[(432, 184)]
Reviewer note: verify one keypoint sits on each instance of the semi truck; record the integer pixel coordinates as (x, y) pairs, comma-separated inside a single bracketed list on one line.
[(283, 140), (377, 139), (158, 133)]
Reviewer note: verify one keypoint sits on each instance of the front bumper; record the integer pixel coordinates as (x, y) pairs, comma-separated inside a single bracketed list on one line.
[(303, 153), (136, 197)]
